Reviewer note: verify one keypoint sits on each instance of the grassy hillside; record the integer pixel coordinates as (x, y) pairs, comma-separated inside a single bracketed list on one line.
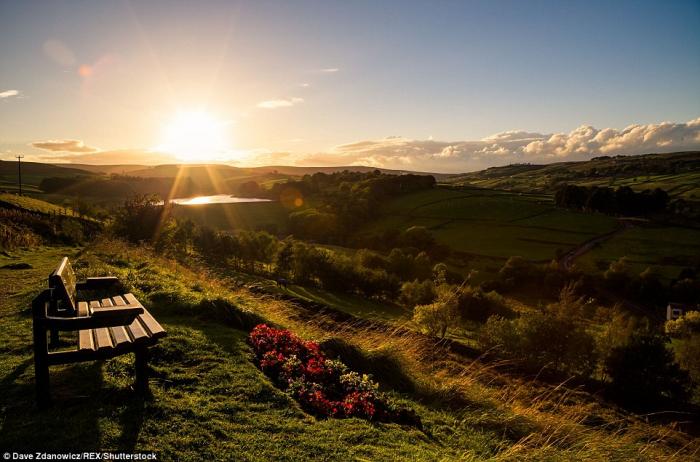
[(251, 215), (32, 204), (32, 174), (493, 223), (210, 401), (667, 250), (677, 173)]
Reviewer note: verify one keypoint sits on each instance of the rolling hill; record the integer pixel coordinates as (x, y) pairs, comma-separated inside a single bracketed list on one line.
[(678, 173)]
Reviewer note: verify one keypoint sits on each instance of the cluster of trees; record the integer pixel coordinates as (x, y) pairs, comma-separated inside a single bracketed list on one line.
[(623, 200), (646, 287), (340, 200), (366, 273), (635, 360)]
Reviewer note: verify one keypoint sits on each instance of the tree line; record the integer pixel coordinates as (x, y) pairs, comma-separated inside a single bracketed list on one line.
[(620, 201)]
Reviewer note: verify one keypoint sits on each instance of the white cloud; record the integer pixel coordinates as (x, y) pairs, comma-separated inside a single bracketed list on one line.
[(513, 146), (278, 103), (9, 93), (329, 70)]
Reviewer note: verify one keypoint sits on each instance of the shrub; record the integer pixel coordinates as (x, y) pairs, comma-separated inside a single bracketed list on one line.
[(417, 293), (644, 374), (541, 340), (437, 317), (323, 387), (473, 304)]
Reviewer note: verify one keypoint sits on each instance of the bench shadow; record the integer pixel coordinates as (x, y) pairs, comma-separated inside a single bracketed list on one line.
[(72, 422)]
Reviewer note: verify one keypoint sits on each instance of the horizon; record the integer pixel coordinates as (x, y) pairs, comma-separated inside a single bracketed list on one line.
[(451, 88)]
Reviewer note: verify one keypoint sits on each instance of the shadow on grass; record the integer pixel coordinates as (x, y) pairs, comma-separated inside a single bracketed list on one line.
[(72, 422)]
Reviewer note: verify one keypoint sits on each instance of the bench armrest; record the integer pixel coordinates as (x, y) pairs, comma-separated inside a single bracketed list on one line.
[(103, 317), (98, 283)]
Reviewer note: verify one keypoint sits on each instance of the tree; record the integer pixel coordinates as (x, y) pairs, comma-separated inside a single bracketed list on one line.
[(284, 260), (644, 373), (437, 317), (417, 293)]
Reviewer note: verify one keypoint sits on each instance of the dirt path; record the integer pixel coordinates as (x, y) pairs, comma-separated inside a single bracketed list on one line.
[(568, 259)]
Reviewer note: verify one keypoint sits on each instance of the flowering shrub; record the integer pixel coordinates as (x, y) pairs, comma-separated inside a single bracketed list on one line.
[(323, 387)]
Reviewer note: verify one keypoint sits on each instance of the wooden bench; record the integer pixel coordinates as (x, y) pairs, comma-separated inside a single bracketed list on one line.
[(112, 324)]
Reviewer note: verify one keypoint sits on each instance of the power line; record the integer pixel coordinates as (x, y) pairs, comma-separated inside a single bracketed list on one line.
[(19, 171)]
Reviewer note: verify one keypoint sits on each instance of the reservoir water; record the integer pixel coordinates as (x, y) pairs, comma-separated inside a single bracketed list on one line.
[(217, 199)]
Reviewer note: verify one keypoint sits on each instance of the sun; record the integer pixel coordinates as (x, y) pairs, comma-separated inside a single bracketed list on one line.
[(195, 136)]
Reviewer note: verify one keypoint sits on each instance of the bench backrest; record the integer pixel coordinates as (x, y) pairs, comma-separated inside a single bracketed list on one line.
[(62, 281)]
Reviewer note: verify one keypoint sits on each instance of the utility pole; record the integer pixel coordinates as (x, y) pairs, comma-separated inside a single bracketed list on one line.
[(19, 171)]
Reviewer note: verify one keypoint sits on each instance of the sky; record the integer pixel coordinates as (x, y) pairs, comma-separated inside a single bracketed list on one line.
[(443, 86)]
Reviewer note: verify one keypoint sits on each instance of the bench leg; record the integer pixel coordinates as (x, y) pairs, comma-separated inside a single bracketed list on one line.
[(141, 366), (41, 369)]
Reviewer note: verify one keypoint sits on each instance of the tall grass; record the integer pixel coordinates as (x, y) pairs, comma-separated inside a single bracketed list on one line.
[(538, 421)]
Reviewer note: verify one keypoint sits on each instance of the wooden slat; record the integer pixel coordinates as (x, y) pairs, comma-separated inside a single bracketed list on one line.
[(83, 309), (136, 331), (94, 304), (120, 335), (154, 329), (118, 300), (85, 340), (131, 300), (102, 338), (106, 302)]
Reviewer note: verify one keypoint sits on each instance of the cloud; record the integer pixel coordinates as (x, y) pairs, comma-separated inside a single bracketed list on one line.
[(114, 157), (63, 146), (58, 52), (278, 103), (512, 146), (329, 70), (8, 93)]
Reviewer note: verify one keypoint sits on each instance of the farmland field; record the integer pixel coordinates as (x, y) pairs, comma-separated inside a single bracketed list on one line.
[(494, 223), (665, 249), (260, 215)]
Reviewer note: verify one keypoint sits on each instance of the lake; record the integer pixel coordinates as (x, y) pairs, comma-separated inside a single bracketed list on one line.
[(216, 199)]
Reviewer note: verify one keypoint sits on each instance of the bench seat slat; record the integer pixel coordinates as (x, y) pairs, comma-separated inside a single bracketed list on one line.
[(83, 309), (102, 338), (85, 340), (152, 326), (118, 300), (137, 332), (120, 336), (131, 300)]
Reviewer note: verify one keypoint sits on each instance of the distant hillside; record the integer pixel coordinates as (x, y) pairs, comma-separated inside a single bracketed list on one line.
[(37, 168), (171, 170), (32, 174), (678, 173), (300, 171), (106, 169)]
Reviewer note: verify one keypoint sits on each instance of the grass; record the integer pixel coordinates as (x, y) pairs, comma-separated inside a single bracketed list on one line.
[(260, 215), (493, 224), (666, 250), (33, 205), (210, 402)]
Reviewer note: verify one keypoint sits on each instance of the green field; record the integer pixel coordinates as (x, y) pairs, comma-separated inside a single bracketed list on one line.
[(676, 173), (683, 185), (33, 205), (666, 250), (493, 224), (252, 215)]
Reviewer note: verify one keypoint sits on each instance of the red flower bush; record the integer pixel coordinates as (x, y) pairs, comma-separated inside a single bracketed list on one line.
[(323, 387)]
